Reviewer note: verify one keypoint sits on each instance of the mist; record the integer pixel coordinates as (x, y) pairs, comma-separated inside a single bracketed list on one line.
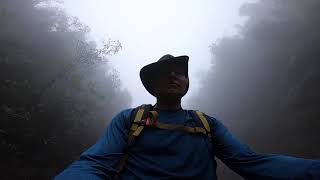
[(66, 71), (151, 29), (264, 82), (56, 89)]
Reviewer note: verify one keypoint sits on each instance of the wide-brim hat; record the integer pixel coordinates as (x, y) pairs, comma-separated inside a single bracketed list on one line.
[(148, 72)]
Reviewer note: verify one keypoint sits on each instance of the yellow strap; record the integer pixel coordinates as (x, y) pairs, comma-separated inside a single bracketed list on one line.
[(207, 126), (138, 131), (135, 130), (134, 127), (130, 138), (180, 128), (154, 114), (203, 120), (123, 162), (139, 115)]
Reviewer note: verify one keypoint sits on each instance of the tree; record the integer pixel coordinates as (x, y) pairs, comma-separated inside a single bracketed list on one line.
[(264, 82), (56, 95)]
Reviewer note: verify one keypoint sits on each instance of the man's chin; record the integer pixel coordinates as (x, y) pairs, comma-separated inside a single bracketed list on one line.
[(170, 94), (174, 94)]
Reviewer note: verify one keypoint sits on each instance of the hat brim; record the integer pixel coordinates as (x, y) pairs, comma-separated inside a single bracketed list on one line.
[(147, 73)]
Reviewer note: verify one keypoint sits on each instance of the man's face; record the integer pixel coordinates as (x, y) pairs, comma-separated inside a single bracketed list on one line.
[(171, 82)]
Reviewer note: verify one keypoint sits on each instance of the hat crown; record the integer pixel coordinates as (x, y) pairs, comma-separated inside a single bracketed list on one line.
[(166, 57)]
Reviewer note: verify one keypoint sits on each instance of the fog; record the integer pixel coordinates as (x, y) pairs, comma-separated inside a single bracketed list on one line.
[(67, 67), (264, 82), (150, 29), (55, 92)]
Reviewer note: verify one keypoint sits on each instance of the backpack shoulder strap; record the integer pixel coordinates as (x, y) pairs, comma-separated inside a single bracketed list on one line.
[(138, 114), (204, 121), (200, 116)]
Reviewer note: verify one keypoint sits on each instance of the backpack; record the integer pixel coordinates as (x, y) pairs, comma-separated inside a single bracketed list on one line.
[(145, 117)]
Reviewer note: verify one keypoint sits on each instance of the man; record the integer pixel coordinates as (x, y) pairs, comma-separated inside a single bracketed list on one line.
[(159, 153)]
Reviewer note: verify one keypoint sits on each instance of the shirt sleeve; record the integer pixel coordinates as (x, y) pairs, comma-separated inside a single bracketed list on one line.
[(100, 161), (250, 165)]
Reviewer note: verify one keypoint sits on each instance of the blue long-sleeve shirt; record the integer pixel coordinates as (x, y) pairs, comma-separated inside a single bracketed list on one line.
[(164, 154)]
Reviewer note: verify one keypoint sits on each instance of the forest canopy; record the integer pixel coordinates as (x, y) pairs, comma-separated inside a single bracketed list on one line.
[(264, 83), (58, 89)]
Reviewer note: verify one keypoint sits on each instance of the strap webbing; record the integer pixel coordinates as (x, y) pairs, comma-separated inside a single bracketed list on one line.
[(203, 120), (154, 114), (139, 115), (135, 130), (122, 163), (180, 128), (206, 125)]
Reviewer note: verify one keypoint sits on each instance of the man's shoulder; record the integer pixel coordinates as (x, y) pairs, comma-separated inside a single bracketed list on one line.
[(126, 110), (122, 118), (212, 119), (203, 112), (126, 113)]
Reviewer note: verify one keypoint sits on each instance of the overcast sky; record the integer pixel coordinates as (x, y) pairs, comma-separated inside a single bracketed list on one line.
[(149, 29)]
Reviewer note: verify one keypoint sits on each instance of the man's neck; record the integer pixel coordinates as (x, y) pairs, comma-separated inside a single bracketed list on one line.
[(170, 105)]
